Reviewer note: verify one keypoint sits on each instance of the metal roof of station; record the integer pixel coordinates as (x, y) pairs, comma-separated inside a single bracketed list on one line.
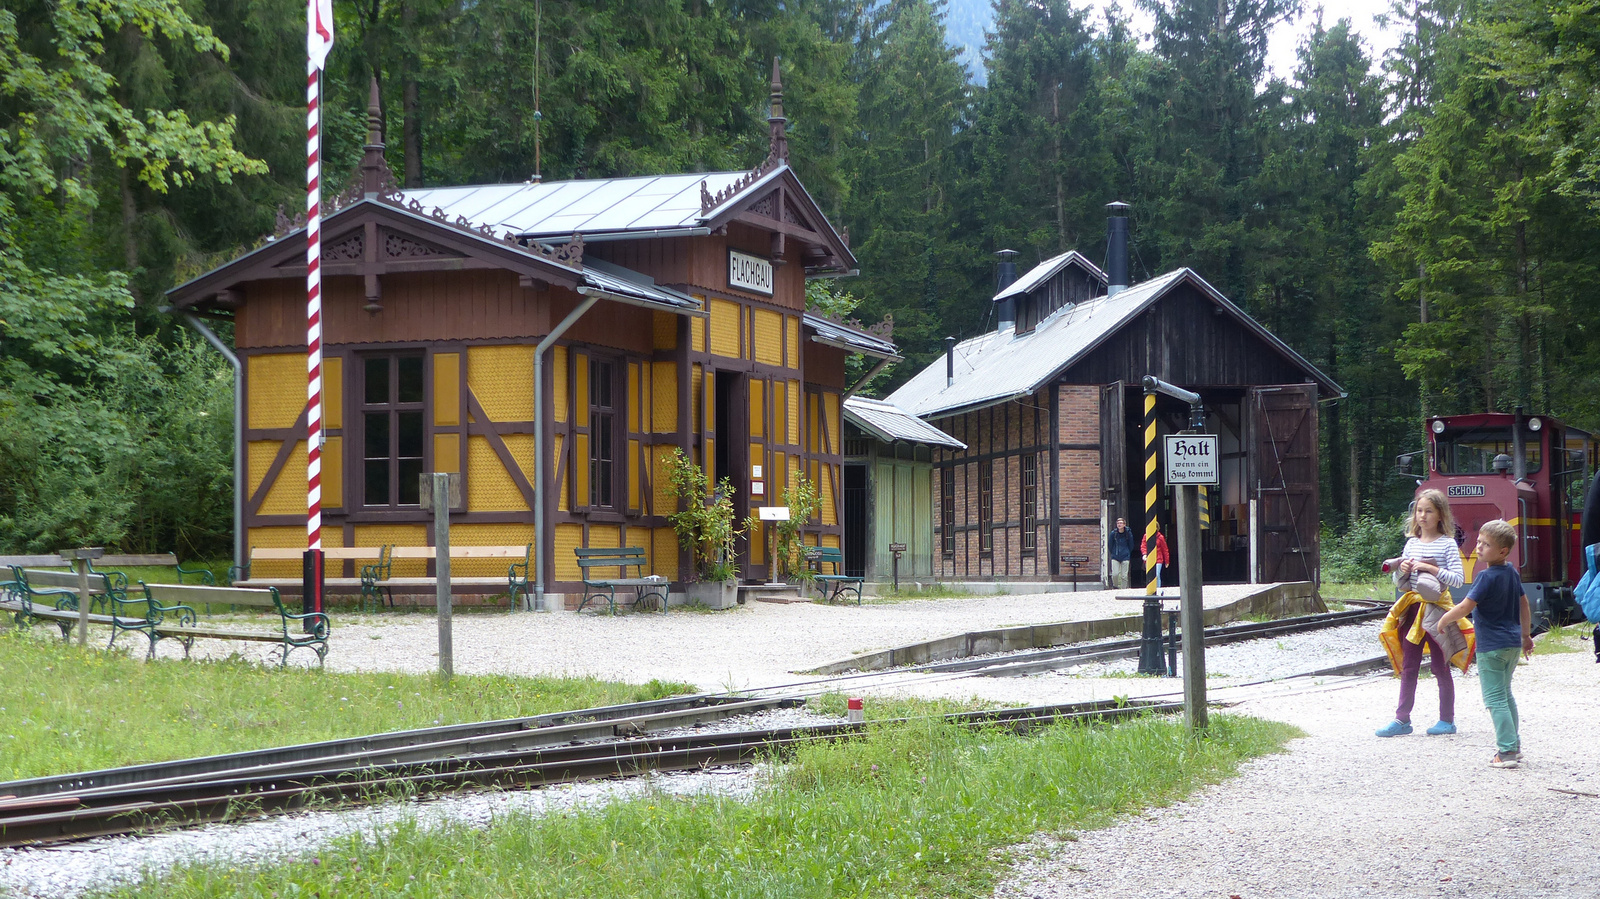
[(829, 332), (888, 422), (594, 207)]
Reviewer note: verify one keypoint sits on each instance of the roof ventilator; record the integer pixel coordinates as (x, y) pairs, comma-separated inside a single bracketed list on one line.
[(1117, 248), (1005, 274)]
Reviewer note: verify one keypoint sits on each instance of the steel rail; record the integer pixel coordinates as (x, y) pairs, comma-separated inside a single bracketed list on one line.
[(581, 724), (148, 806)]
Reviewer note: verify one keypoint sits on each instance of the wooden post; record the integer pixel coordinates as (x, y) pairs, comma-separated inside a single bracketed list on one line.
[(1193, 608), (80, 563), (441, 491)]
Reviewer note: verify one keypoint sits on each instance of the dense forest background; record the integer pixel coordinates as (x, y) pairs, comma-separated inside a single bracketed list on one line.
[(1420, 226)]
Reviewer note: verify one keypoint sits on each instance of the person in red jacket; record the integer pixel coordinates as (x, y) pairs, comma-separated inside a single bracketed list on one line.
[(1163, 556)]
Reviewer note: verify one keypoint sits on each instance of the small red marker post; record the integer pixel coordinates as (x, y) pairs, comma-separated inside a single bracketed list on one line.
[(857, 714)]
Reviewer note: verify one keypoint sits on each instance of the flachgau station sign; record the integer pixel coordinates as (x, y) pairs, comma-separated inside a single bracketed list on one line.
[(1191, 459)]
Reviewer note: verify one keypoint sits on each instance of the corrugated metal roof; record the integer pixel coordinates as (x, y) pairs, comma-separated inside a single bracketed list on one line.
[(1044, 270), (847, 338), (598, 206), (889, 423), (630, 286)]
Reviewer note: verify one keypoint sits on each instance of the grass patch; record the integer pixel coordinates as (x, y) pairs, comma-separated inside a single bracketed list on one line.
[(914, 810), (77, 709), (1380, 589), (1560, 640), (931, 591)]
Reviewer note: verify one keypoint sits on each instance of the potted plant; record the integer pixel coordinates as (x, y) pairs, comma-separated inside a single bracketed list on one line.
[(705, 526)]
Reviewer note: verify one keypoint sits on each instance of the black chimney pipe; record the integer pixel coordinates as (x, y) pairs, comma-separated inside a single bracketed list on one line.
[(1117, 248), (1005, 275), (949, 361)]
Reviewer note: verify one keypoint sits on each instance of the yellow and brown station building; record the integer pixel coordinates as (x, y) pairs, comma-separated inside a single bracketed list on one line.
[(693, 334)]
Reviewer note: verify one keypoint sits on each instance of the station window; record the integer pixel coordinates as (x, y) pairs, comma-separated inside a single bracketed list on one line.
[(986, 507), (393, 429), (602, 435), (1030, 502)]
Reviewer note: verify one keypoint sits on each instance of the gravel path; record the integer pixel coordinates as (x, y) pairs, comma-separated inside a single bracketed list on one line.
[(1346, 814)]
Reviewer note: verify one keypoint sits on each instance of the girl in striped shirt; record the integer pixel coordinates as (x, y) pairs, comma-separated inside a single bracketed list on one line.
[(1430, 550)]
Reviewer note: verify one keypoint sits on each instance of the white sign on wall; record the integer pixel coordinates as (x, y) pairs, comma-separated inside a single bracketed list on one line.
[(750, 273), (1192, 459)]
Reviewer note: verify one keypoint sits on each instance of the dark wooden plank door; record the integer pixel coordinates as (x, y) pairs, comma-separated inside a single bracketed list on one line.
[(1283, 423)]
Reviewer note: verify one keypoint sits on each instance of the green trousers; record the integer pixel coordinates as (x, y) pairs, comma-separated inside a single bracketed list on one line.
[(1494, 676)]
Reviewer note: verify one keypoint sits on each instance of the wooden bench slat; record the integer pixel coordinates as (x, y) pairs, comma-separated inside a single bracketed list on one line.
[(370, 553), (190, 594)]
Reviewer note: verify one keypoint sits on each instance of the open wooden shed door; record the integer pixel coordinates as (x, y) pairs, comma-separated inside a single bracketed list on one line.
[(1283, 423)]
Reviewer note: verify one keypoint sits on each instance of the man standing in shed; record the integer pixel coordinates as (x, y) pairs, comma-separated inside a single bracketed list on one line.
[(1121, 551)]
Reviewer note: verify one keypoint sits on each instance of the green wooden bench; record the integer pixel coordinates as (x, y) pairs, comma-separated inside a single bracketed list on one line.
[(374, 587), (294, 630), (648, 589), (26, 587), (832, 586)]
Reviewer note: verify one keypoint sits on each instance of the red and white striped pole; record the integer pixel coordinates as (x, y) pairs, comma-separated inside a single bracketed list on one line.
[(313, 313), (319, 40)]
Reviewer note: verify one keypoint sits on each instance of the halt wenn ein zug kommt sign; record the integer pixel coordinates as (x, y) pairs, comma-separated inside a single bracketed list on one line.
[(1191, 460)]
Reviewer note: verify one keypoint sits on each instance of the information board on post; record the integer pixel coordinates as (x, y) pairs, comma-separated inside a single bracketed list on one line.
[(1191, 460)]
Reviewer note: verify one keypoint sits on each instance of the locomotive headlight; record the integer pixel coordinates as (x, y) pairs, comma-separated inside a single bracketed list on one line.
[(1438, 426), (1535, 424)]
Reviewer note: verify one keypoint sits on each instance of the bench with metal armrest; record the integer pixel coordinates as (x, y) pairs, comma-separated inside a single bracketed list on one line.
[(33, 595), (648, 589), (293, 630), (832, 586), (518, 581), (374, 587)]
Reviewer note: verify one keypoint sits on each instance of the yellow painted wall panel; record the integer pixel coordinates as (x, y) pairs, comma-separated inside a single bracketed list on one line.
[(697, 386), (633, 474), (661, 480), (725, 323), (758, 414), (664, 397), (769, 336), (489, 486), (580, 470), (288, 495), (447, 391), (758, 543), (333, 473), (487, 535), (634, 403), (605, 536), (580, 389), (279, 538), (447, 452), (399, 535), (553, 461), (709, 397), (664, 553), (332, 392), (812, 430), (697, 329), (831, 540), (780, 412), (501, 378), (568, 537), (791, 335), (258, 458), (277, 387), (825, 490), (666, 330), (558, 381), (794, 413)]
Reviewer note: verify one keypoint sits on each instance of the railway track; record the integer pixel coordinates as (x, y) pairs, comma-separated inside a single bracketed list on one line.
[(219, 789), (587, 744)]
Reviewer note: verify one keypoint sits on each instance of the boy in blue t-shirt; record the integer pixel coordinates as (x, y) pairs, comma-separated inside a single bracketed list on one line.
[(1500, 614)]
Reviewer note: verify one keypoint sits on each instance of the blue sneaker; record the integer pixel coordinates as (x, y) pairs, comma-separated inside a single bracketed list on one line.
[(1443, 727), (1395, 728)]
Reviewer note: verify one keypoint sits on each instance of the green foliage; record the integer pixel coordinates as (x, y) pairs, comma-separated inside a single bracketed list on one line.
[(804, 503), (704, 520), (68, 719), (1357, 555), (915, 809)]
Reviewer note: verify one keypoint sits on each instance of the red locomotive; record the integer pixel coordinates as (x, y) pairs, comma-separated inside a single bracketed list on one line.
[(1530, 470)]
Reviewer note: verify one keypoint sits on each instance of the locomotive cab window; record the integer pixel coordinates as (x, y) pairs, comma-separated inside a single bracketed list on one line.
[(1473, 451), (393, 429)]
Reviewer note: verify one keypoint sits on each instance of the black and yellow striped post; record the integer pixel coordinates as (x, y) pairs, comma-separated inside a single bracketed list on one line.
[(1152, 492), (1205, 508)]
